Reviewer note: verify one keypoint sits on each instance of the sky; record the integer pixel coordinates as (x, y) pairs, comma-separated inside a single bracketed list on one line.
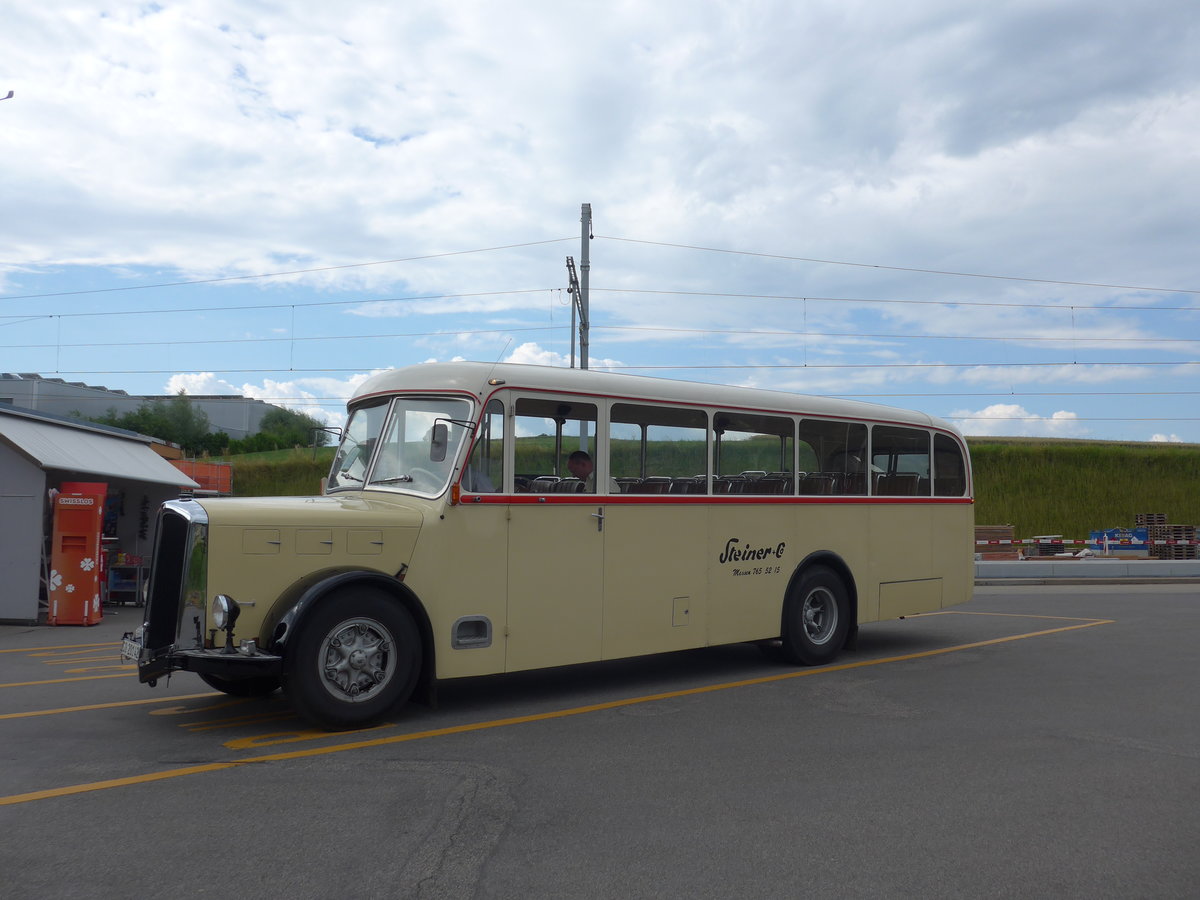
[(987, 212)]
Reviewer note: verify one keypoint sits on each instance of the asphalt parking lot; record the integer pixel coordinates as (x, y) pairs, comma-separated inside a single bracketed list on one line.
[(1039, 741)]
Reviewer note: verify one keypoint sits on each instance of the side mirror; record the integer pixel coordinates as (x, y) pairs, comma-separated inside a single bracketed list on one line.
[(439, 442)]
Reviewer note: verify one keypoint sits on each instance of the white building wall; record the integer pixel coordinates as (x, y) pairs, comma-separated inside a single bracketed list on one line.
[(238, 417), (23, 506)]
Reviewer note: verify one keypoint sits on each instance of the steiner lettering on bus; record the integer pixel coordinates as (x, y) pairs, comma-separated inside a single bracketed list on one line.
[(747, 553)]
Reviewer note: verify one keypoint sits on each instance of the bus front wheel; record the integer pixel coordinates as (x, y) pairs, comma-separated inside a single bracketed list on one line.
[(816, 618), (357, 658)]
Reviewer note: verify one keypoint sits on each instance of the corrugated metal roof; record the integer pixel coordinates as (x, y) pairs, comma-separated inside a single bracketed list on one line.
[(83, 450)]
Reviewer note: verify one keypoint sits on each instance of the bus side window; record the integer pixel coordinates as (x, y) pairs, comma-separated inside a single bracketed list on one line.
[(833, 457), (900, 456), (485, 469), (754, 454), (547, 431), (949, 471), (657, 449)]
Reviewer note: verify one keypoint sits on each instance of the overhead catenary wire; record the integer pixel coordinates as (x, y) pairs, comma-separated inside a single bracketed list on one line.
[(628, 368), (315, 269), (722, 250), (837, 262), (242, 307), (1062, 339), (282, 340), (833, 336), (367, 301)]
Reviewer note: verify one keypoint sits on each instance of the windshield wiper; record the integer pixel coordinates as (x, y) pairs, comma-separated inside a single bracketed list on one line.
[(391, 480)]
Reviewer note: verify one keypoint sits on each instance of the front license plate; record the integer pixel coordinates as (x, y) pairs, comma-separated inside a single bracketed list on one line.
[(130, 650)]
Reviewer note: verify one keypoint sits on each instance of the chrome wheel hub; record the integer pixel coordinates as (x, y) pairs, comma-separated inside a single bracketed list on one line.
[(819, 615), (357, 659)]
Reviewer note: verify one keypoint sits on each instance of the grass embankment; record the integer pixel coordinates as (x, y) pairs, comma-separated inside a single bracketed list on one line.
[(1074, 487), (1038, 486), (280, 473)]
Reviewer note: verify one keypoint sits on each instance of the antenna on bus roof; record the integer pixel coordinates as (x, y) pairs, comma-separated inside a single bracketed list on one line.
[(497, 362)]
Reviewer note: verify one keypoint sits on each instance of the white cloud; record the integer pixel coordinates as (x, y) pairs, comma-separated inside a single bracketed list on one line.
[(1166, 439), (322, 398), (531, 353), (196, 383), (180, 139), (1014, 420)]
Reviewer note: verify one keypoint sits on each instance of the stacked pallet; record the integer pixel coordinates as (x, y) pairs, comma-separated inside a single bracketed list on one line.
[(1182, 538), (1000, 542), (1150, 519)]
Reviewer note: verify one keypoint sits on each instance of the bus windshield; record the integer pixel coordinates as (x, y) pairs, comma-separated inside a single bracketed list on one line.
[(410, 444)]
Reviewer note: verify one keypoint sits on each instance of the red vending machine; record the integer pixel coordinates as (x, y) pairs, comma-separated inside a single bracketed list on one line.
[(75, 554)]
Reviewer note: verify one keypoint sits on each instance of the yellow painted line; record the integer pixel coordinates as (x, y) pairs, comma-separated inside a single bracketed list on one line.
[(963, 612), (115, 705), (114, 783), (64, 680), (237, 721), (194, 710), (522, 720), (76, 660), (292, 737), (130, 667), (35, 651)]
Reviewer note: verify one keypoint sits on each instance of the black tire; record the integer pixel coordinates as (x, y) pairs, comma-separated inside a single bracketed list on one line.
[(816, 618), (356, 658), (256, 686)]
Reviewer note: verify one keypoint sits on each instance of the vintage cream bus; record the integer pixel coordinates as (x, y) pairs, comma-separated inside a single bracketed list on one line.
[(484, 518)]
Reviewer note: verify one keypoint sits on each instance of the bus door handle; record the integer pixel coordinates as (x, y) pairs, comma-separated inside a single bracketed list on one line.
[(598, 515)]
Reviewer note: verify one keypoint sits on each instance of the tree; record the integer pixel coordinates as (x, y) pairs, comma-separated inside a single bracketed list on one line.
[(287, 428), (179, 422), (175, 421)]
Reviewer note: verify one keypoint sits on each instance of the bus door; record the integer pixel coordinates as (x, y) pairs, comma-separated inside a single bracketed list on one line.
[(655, 537), (555, 537)]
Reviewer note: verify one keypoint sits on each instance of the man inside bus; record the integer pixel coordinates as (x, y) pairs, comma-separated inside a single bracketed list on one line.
[(581, 466)]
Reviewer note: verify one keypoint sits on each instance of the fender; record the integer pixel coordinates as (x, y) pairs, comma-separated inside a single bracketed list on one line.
[(833, 561), (293, 607)]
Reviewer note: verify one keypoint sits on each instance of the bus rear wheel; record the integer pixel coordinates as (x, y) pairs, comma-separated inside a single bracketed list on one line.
[(816, 618), (356, 658)]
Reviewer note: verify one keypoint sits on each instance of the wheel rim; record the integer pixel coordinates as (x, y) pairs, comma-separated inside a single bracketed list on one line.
[(819, 615), (357, 660)]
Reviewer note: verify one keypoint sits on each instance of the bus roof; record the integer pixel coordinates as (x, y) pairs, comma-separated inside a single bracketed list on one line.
[(482, 378)]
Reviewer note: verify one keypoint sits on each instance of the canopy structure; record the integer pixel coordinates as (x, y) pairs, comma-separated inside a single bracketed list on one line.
[(88, 451), (39, 453)]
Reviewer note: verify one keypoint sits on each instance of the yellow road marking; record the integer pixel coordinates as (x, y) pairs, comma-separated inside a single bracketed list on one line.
[(114, 783), (64, 680), (132, 667), (114, 705), (39, 651), (78, 660), (521, 720), (963, 612), (56, 656), (248, 719), (193, 710), (291, 737)]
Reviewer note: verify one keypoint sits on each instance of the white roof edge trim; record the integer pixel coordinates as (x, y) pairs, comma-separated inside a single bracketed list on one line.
[(474, 377)]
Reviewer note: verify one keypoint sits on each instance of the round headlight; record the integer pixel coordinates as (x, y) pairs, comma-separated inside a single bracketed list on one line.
[(225, 611)]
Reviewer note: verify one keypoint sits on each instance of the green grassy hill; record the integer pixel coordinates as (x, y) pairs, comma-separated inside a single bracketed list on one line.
[(1071, 487), (1040, 486)]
